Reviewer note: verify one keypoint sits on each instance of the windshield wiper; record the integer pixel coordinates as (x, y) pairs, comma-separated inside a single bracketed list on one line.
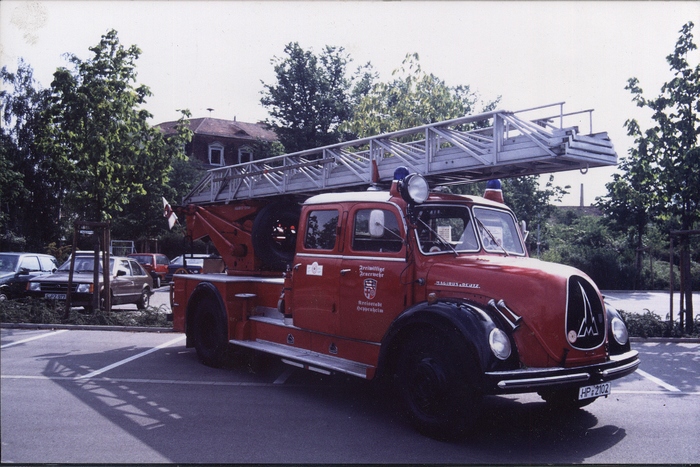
[(439, 238), (493, 238)]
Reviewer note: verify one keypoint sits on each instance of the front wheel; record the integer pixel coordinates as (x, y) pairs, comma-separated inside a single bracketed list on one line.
[(436, 383), (209, 332)]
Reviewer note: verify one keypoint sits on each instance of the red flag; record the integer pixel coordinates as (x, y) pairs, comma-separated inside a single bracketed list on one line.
[(169, 214)]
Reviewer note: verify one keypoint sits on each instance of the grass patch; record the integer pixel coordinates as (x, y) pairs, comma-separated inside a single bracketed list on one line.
[(40, 311)]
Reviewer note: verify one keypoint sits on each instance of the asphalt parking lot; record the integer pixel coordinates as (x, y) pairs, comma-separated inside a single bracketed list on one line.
[(73, 396)]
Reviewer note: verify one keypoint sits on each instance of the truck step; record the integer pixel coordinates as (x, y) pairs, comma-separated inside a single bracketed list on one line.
[(307, 359)]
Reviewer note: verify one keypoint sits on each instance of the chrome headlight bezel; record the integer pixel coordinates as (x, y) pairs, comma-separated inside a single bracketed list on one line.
[(83, 288), (499, 342), (619, 331)]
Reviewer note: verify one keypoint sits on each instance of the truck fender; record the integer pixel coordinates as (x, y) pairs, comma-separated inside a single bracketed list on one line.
[(468, 323), (203, 289)]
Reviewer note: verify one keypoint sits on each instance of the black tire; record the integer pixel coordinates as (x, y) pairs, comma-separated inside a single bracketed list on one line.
[(565, 399), (210, 333), (274, 234), (144, 299), (435, 379), (156, 281)]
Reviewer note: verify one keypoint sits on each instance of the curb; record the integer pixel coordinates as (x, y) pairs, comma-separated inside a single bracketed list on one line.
[(673, 340), (80, 327)]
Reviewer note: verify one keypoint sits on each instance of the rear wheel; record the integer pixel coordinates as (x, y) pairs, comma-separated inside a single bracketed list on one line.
[(436, 384), (209, 332), (144, 299)]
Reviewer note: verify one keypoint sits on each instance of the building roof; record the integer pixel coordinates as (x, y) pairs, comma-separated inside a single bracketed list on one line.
[(224, 128)]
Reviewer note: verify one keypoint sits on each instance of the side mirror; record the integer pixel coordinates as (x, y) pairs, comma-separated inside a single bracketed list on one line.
[(523, 230), (121, 272), (376, 223)]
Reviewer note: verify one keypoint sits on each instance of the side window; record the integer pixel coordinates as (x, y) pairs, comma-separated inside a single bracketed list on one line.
[(383, 236), (48, 264), (136, 269), (124, 264), (321, 230), (161, 260), (31, 263)]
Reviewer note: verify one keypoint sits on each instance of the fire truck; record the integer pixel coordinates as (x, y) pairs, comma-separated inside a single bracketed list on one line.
[(355, 258)]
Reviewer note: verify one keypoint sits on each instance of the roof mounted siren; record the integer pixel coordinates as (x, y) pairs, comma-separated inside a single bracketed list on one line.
[(493, 191)]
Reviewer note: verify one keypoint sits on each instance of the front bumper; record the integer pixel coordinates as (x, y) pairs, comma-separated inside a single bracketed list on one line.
[(537, 379)]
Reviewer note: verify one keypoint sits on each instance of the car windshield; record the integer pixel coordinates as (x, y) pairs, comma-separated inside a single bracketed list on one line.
[(84, 264), (8, 263), (445, 229), (498, 231), (190, 261), (143, 259)]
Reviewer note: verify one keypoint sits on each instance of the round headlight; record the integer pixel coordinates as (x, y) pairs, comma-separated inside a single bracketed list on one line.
[(415, 189), (499, 343), (619, 331), (84, 288)]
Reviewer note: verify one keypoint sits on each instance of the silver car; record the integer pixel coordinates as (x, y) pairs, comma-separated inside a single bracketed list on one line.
[(129, 283)]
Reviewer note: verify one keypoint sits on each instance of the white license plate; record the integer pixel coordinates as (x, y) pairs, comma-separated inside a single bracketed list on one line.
[(55, 296), (596, 390)]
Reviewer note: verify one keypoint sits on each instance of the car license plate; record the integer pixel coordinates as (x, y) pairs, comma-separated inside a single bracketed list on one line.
[(596, 390), (55, 296)]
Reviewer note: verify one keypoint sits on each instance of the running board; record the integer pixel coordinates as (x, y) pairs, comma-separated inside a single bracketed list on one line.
[(302, 358)]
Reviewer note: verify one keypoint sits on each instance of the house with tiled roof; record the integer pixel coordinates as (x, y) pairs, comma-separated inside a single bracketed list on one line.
[(218, 142)]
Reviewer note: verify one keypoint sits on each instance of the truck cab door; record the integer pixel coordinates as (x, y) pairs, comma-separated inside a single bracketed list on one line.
[(315, 272), (374, 286)]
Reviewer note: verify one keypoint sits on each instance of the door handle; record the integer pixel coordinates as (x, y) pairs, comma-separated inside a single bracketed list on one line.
[(344, 271)]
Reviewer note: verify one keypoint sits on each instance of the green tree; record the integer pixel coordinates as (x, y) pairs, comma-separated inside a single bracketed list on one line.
[(312, 96), (413, 98), (98, 127), (31, 183)]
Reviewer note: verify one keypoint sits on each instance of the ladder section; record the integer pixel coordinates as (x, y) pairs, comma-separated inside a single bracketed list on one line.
[(498, 144)]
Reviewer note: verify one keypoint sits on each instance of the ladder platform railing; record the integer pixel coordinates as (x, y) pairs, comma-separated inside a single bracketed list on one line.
[(497, 144)]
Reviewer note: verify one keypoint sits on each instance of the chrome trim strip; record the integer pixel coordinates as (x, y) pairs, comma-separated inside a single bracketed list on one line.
[(620, 369), (544, 381), (358, 258)]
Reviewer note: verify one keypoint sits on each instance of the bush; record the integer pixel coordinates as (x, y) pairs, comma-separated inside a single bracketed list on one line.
[(650, 325), (40, 311)]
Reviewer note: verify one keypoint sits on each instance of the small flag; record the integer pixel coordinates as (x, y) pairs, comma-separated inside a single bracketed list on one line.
[(169, 214)]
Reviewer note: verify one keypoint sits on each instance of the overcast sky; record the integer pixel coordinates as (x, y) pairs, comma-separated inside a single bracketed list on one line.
[(214, 54)]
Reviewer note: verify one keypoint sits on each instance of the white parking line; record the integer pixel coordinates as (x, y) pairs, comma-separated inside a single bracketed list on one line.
[(658, 381), (41, 336), (127, 360)]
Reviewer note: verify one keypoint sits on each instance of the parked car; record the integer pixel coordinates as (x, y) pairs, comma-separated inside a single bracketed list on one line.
[(194, 264), (128, 283), (155, 264), (16, 269)]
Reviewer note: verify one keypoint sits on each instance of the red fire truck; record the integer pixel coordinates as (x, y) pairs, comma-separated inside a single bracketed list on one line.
[(403, 281)]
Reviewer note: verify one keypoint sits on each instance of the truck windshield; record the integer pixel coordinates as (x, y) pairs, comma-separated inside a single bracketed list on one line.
[(445, 229), (498, 231)]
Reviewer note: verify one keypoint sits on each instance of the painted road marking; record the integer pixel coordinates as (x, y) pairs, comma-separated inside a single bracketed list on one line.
[(41, 336), (130, 359), (658, 381)]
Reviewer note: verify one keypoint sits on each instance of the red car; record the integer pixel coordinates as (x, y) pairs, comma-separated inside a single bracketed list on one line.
[(155, 264)]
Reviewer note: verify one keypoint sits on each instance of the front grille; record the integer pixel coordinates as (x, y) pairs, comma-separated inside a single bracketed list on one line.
[(585, 315), (57, 287)]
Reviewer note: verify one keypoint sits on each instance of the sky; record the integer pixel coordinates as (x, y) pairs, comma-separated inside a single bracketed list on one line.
[(202, 54)]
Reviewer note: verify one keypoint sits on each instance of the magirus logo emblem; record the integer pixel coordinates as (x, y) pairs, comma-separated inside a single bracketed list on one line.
[(585, 316), (370, 288)]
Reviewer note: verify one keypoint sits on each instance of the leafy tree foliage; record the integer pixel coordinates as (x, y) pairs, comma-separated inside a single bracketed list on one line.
[(413, 98), (96, 126), (82, 149), (312, 96), (31, 183)]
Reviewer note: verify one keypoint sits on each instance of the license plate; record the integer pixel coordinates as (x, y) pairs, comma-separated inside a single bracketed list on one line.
[(55, 296), (596, 390)]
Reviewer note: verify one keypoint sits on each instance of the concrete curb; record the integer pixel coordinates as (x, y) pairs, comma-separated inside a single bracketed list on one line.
[(80, 327)]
